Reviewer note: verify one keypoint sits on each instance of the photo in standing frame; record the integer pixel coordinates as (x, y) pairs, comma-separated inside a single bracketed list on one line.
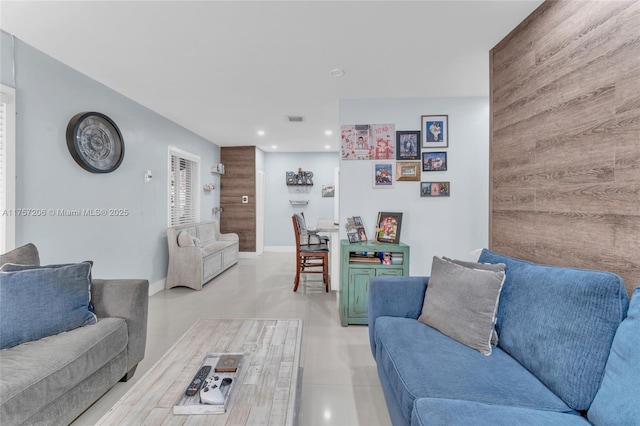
[(388, 227)]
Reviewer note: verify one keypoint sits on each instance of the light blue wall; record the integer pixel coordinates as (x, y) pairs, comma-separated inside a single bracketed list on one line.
[(444, 226), (278, 209), (48, 94)]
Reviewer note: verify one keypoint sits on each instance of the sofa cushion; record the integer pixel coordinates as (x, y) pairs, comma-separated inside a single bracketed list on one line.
[(559, 323), (419, 361), (435, 411), (37, 373), (43, 301), (461, 302), (617, 400), (216, 246), (25, 255)]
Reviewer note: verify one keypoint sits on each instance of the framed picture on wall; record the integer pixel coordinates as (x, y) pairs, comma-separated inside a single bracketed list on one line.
[(383, 175), (408, 145), (388, 227), (328, 191), (435, 131), (434, 161), (435, 189), (407, 170)]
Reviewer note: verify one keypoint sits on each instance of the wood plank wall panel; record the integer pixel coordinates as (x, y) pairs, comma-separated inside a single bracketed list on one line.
[(239, 179), (565, 138)]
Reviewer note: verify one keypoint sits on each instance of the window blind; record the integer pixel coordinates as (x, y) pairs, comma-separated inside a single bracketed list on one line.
[(184, 202)]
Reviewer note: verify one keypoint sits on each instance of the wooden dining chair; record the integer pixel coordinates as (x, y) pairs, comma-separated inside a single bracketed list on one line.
[(303, 225), (311, 258)]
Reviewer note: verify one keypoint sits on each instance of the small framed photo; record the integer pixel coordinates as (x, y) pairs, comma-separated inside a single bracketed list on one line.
[(355, 229), (435, 131), (383, 175), (328, 190), (435, 189), (407, 170), (408, 145), (434, 161), (388, 227)]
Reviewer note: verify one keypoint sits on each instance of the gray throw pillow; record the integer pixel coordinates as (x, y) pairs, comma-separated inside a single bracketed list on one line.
[(489, 267), (499, 267), (25, 255), (461, 303)]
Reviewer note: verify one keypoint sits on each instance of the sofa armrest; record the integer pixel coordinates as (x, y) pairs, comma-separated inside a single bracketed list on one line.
[(394, 297), (229, 237), (129, 300)]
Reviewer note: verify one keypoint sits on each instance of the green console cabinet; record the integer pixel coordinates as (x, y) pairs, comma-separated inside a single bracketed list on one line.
[(359, 262)]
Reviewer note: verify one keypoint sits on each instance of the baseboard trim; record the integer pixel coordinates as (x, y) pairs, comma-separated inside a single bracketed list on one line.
[(280, 249), (157, 287)]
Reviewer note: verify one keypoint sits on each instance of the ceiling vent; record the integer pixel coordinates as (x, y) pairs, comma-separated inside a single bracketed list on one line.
[(295, 119)]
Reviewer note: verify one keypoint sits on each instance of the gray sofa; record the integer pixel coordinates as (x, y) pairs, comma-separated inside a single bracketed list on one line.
[(567, 352), (51, 381), (198, 253)]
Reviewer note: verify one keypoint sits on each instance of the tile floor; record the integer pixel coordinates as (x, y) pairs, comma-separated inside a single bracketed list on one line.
[(339, 384)]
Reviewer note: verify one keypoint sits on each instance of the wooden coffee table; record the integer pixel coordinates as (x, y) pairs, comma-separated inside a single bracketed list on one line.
[(264, 393)]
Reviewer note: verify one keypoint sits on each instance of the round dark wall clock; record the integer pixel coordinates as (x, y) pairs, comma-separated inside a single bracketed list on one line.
[(95, 142)]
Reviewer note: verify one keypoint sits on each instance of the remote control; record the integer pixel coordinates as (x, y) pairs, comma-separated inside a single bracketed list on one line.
[(215, 390), (197, 381)]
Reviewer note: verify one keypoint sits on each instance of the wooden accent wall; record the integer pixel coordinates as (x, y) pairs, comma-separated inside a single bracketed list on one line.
[(565, 138), (239, 179)]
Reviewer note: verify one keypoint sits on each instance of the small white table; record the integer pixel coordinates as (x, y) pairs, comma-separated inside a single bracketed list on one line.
[(329, 227)]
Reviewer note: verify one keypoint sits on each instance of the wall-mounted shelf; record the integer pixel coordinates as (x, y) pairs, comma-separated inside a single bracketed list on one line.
[(218, 169), (209, 186), (298, 202)]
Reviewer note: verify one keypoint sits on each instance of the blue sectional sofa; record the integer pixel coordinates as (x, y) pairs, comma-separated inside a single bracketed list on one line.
[(553, 364)]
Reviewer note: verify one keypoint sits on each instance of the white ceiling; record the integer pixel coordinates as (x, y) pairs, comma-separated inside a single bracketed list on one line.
[(226, 69)]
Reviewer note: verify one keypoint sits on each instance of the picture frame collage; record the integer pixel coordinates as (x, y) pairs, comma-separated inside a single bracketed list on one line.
[(415, 152), (435, 137)]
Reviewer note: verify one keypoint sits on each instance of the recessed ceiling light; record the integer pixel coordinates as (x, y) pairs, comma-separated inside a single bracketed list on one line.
[(328, 132), (327, 147), (274, 146), (337, 72), (260, 132)]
